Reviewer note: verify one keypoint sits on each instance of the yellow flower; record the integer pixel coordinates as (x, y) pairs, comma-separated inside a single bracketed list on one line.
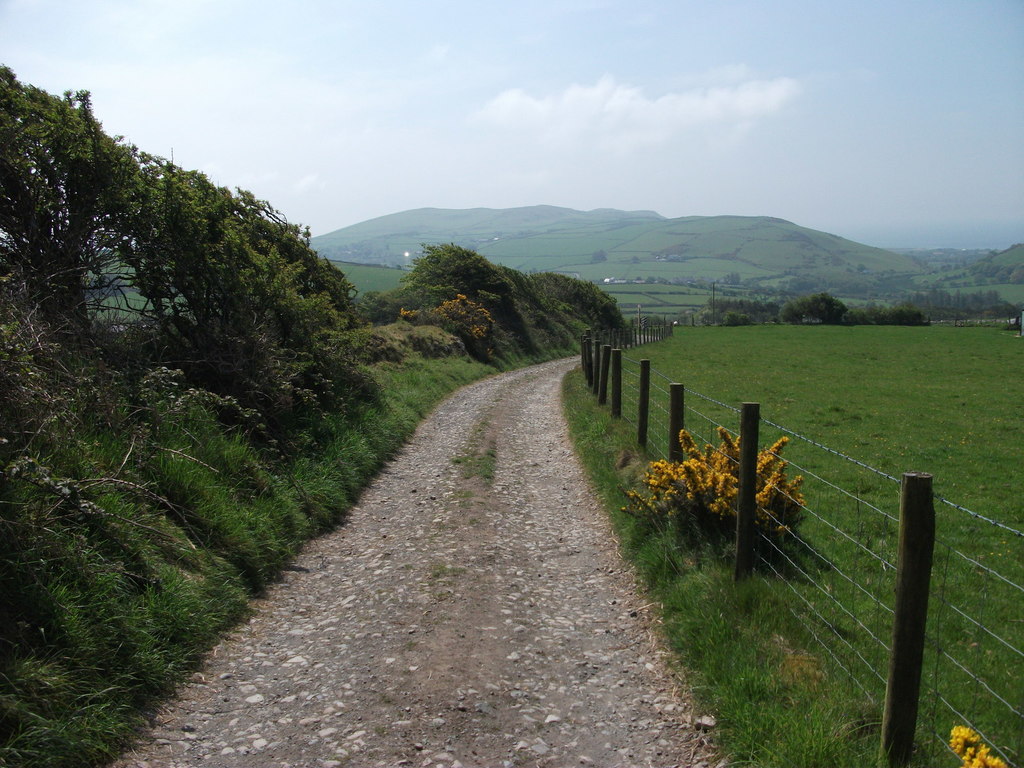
[(704, 486), (967, 744)]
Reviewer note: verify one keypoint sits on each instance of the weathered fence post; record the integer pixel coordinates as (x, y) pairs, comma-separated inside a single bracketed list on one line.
[(910, 613), (616, 383), (643, 403), (602, 389), (675, 421), (595, 362), (746, 497), (586, 358)]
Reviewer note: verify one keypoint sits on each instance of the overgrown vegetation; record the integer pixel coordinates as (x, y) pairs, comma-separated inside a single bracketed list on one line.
[(697, 496), (742, 649), (494, 309), (187, 393), (827, 309)]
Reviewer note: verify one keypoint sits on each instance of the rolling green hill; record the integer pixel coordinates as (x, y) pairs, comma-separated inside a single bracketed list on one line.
[(1002, 271), (1002, 267), (605, 245)]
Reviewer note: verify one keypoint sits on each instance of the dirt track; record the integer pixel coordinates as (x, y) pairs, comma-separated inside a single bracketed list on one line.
[(456, 619)]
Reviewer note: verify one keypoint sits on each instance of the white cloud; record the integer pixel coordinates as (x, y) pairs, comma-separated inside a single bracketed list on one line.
[(437, 54), (308, 183), (620, 117)]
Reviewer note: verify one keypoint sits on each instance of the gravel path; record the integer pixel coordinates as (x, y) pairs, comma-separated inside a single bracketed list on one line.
[(473, 611)]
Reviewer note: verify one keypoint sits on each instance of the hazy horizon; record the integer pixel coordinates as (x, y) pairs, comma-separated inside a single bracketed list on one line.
[(895, 124), (961, 239)]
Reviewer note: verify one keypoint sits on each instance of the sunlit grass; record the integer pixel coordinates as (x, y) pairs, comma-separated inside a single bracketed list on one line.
[(898, 399), (114, 606)]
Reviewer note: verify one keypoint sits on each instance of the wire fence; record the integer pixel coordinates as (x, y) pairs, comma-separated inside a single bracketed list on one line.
[(840, 564)]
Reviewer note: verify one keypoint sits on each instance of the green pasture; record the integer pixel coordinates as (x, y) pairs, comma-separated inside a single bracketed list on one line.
[(937, 400), (661, 304), (368, 278), (669, 300), (932, 399)]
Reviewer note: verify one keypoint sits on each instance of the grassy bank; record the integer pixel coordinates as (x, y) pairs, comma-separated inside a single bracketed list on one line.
[(172, 526), (900, 399), (739, 645)]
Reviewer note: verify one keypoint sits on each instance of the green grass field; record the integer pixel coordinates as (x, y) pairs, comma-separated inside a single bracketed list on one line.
[(368, 278), (938, 400), (665, 301), (932, 399)]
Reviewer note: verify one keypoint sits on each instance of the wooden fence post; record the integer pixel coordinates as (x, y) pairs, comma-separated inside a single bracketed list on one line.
[(616, 383), (910, 613), (675, 421), (595, 362), (643, 403), (585, 357), (602, 389), (746, 497)]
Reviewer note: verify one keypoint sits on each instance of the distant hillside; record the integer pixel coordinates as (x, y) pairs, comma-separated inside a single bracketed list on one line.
[(1001, 272), (1003, 267), (386, 239), (757, 252)]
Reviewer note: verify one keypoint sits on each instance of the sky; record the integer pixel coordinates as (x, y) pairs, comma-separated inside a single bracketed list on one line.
[(896, 123)]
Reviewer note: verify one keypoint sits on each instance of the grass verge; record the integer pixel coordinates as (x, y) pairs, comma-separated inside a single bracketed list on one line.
[(748, 660), (126, 556), (930, 399)]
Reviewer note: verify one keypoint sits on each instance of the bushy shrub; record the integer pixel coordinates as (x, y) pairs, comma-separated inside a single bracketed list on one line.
[(471, 322), (736, 318), (124, 253), (526, 315), (699, 493), (817, 308), (903, 314)]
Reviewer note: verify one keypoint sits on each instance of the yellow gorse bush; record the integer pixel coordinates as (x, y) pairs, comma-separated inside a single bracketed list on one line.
[(470, 321), (705, 485), (972, 750), (467, 315)]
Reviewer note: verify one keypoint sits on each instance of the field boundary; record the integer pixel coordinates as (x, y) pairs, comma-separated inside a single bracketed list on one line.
[(853, 514)]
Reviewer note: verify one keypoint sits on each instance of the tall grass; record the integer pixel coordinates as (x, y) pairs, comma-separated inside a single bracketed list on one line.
[(122, 568), (739, 647)]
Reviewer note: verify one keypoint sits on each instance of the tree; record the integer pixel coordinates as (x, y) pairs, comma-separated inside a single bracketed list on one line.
[(736, 318), (530, 313), (68, 192), (444, 271), (238, 298), (817, 308)]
